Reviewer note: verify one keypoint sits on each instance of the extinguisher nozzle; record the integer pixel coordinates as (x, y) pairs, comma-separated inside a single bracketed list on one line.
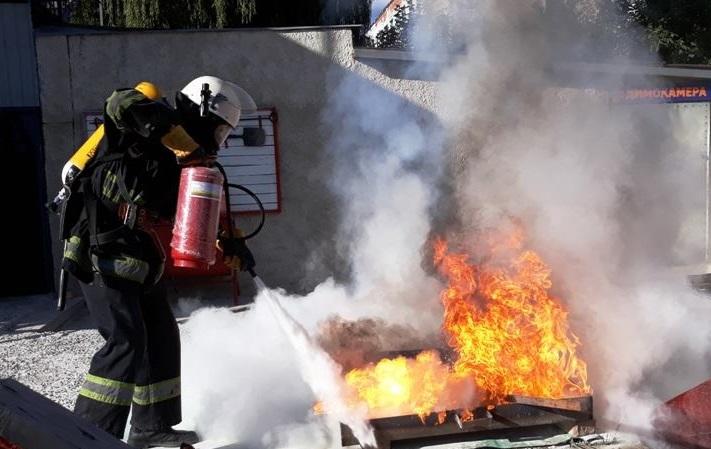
[(252, 272)]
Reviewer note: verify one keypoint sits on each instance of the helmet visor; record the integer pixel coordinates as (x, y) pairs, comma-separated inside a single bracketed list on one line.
[(222, 132)]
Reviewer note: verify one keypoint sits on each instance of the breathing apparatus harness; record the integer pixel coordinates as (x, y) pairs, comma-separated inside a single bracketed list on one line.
[(72, 183)]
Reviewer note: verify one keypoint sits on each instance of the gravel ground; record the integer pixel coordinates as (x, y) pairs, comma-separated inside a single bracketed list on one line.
[(51, 363), (54, 363)]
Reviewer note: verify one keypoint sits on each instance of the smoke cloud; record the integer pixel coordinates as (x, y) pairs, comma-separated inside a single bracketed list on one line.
[(608, 194)]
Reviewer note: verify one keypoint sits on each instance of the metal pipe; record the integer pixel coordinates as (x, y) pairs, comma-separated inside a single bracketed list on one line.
[(707, 252), (62, 294)]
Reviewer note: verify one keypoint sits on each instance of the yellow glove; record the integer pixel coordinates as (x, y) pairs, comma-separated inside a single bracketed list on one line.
[(236, 254), (231, 261), (179, 142)]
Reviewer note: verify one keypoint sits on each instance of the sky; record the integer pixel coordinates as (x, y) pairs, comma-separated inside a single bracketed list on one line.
[(378, 6)]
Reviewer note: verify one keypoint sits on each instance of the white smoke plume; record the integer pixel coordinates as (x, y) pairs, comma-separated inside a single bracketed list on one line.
[(241, 373), (319, 371), (602, 190)]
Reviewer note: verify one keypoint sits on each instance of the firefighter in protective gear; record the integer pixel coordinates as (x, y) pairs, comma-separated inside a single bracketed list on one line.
[(119, 264)]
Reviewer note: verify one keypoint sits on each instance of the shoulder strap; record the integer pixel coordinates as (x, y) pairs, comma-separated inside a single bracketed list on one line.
[(91, 202)]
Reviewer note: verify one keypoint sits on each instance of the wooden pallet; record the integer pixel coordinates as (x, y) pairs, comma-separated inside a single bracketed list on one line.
[(535, 417)]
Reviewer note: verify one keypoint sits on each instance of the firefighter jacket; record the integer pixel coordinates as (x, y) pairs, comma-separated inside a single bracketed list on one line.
[(133, 170)]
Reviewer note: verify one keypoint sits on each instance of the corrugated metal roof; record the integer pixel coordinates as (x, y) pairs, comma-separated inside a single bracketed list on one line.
[(18, 62)]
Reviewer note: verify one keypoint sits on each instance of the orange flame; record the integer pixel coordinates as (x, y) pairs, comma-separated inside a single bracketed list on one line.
[(510, 336), (401, 385), (404, 386)]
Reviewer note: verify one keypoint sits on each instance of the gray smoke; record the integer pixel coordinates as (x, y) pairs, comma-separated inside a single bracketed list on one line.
[(605, 193), (240, 377), (319, 371)]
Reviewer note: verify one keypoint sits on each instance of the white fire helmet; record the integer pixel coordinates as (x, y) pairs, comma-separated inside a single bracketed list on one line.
[(227, 100)]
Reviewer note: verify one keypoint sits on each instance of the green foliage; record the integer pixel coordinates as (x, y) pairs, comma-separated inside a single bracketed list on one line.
[(680, 31), (200, 14), (86, 12), (144, 14), (188, 13), (114, 15), (219, 13), (231, 13), (674, 48), (341, 12)]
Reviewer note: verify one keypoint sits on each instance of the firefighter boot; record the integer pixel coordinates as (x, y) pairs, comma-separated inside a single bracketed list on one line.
[(168, 437)]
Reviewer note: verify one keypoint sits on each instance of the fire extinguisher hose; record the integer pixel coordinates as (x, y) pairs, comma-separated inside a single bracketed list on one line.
[(226, 186)]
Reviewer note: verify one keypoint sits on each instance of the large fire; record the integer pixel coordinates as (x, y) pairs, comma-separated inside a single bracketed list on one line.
[(510, 336)]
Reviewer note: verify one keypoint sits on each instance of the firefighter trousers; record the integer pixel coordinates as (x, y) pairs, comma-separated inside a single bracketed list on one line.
[(139, 365)]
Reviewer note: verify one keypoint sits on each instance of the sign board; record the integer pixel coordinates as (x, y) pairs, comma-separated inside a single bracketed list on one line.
[(679, 94), (256, 168)]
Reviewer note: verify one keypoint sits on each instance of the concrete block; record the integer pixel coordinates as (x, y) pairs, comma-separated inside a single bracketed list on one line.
[(30, 420)]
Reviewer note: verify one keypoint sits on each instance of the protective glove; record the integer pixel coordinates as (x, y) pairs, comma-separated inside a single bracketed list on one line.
[(187, 151), (236, 253), (198, 157)]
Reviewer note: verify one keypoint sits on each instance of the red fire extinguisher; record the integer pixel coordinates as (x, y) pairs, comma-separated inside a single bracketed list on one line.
[(197, 217)]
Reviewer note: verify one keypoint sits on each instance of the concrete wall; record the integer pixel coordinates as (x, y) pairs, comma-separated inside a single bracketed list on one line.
[(18, 70), (293, 71)]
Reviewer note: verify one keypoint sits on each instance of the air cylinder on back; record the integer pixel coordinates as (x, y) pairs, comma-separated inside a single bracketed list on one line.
[(197, 218)]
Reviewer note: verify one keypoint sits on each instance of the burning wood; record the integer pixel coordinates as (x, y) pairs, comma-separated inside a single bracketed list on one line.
[(509, 336), (355, 344)]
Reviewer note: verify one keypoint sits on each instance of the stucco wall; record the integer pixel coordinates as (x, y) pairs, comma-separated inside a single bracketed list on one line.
[(293, 71)]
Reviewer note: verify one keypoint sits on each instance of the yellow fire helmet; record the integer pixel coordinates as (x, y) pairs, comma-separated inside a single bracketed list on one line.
[(150, 90)]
